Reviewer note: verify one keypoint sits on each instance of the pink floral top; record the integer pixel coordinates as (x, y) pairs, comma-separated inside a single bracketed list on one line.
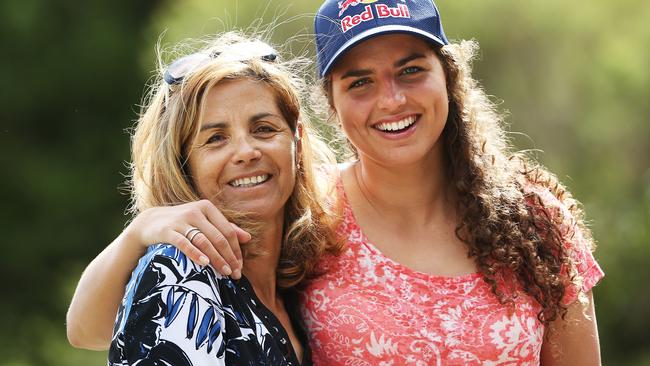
[(370, 310)]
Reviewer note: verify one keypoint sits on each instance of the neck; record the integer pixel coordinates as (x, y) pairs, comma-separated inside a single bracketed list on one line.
[(411, 192), (261, 270)]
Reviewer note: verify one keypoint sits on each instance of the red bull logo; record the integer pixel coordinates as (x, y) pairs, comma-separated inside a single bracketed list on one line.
[(345, 4), (381, 11)]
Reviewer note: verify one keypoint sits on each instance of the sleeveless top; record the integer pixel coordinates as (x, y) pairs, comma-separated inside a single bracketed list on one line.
[(367, 309)]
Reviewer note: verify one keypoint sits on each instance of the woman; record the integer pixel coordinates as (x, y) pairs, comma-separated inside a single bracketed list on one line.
[(222, 128), (459, 252)]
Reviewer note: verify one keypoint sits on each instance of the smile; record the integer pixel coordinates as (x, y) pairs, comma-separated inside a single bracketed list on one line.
[(397, 126), (249, 181)]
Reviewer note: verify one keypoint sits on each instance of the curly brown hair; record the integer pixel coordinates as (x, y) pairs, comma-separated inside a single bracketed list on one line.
[(508, 228), (507, 224)]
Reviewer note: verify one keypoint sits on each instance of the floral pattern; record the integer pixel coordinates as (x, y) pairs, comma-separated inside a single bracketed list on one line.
[(366, 309), (176, 312)]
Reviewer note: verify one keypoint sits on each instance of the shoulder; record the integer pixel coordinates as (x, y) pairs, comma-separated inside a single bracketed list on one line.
[(172, 268), (165, 276), (170, 302), (554, 212), (169, 256), (559, 212), (538, 195), (560, 209), (164, 268)]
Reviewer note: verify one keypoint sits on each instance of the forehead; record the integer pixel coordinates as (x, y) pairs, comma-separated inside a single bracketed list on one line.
[(240, 97), (381, 49)]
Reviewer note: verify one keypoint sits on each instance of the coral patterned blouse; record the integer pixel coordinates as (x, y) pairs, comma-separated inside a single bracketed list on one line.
[(370, 310)]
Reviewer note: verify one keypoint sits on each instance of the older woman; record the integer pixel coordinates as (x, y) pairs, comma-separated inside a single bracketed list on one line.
[(222, 129)]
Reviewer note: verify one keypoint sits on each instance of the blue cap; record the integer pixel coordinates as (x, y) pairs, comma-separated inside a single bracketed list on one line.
[(341, 24)]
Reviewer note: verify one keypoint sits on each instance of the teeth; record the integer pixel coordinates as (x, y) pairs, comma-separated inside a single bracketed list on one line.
[(249, 181), (397, 125)]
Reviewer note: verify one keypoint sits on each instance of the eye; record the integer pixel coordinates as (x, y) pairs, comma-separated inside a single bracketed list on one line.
[(265, 130), (217, 137), (359, 83), (411, 70)]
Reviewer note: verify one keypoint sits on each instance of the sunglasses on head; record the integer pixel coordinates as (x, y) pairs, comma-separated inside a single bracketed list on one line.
[(182, 66)]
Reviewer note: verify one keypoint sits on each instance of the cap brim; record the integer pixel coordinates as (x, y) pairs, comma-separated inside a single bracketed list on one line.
[(377, 32)]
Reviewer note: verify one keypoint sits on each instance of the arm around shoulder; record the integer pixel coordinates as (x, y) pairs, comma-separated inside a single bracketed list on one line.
[(92, 311), (94, 305)]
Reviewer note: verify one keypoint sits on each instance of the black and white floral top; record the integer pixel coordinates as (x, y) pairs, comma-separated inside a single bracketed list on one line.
[(178, 313)]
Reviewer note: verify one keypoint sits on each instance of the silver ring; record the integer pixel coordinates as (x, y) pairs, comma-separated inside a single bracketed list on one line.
[(194, 233), (191, 233)]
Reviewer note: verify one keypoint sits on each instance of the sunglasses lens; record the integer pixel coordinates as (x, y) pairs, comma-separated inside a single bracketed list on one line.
[(179, 68), (270, 57)]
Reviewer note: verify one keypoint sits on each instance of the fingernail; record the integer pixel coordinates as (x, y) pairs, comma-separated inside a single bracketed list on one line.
[(226, 270), (236, 274), (203, 260)]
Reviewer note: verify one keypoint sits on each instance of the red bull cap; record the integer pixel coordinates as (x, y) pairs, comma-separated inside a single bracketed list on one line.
[(341, 24)]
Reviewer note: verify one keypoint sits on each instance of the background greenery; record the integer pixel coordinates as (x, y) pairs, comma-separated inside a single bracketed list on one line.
[(573, 76)]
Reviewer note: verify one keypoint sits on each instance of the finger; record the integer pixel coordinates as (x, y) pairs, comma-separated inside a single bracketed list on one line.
[(243, 237), (219, 251), (202, 242), (222, 236), (184, 245)]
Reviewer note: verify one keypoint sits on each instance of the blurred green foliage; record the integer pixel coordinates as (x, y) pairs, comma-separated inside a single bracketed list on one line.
[(573, 77)]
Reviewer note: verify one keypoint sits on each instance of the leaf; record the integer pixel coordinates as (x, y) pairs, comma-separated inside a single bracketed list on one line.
[(215, 330), (206, 322), (173, 307), (193, 317)]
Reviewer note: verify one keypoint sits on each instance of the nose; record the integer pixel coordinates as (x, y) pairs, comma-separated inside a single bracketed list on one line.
[(391, 96), (246, 151)]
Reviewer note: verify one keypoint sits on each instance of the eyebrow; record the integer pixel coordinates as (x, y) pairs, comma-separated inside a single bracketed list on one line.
[(211, 125), (253, 118), (398, 63), (261, 115), (409, 58)]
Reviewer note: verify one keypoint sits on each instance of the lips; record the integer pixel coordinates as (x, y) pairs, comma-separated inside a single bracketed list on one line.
[(249, 181), (396, 126)]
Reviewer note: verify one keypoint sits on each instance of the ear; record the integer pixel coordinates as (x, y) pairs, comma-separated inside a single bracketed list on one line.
[(298, 139), (298, 134)]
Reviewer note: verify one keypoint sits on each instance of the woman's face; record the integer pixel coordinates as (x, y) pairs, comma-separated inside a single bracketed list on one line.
[(244, 154), (390, 95)]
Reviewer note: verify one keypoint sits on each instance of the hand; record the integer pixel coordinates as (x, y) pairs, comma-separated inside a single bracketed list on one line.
[(216, 244)]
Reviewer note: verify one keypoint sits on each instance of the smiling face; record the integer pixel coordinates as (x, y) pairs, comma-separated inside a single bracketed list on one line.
[(244, 154), (390, 95)]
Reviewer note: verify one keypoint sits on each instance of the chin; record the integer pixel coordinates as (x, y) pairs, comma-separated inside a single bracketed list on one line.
[(258, 209)]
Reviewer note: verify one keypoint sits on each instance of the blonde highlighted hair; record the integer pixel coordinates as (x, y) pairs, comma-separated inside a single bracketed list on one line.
[(169, 122)]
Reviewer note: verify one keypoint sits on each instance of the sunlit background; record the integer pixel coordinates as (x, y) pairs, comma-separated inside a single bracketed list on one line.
[(573, 77)]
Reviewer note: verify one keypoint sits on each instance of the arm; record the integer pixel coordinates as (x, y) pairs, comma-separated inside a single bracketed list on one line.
[(574, 340), (95, 302), (90, 318)]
